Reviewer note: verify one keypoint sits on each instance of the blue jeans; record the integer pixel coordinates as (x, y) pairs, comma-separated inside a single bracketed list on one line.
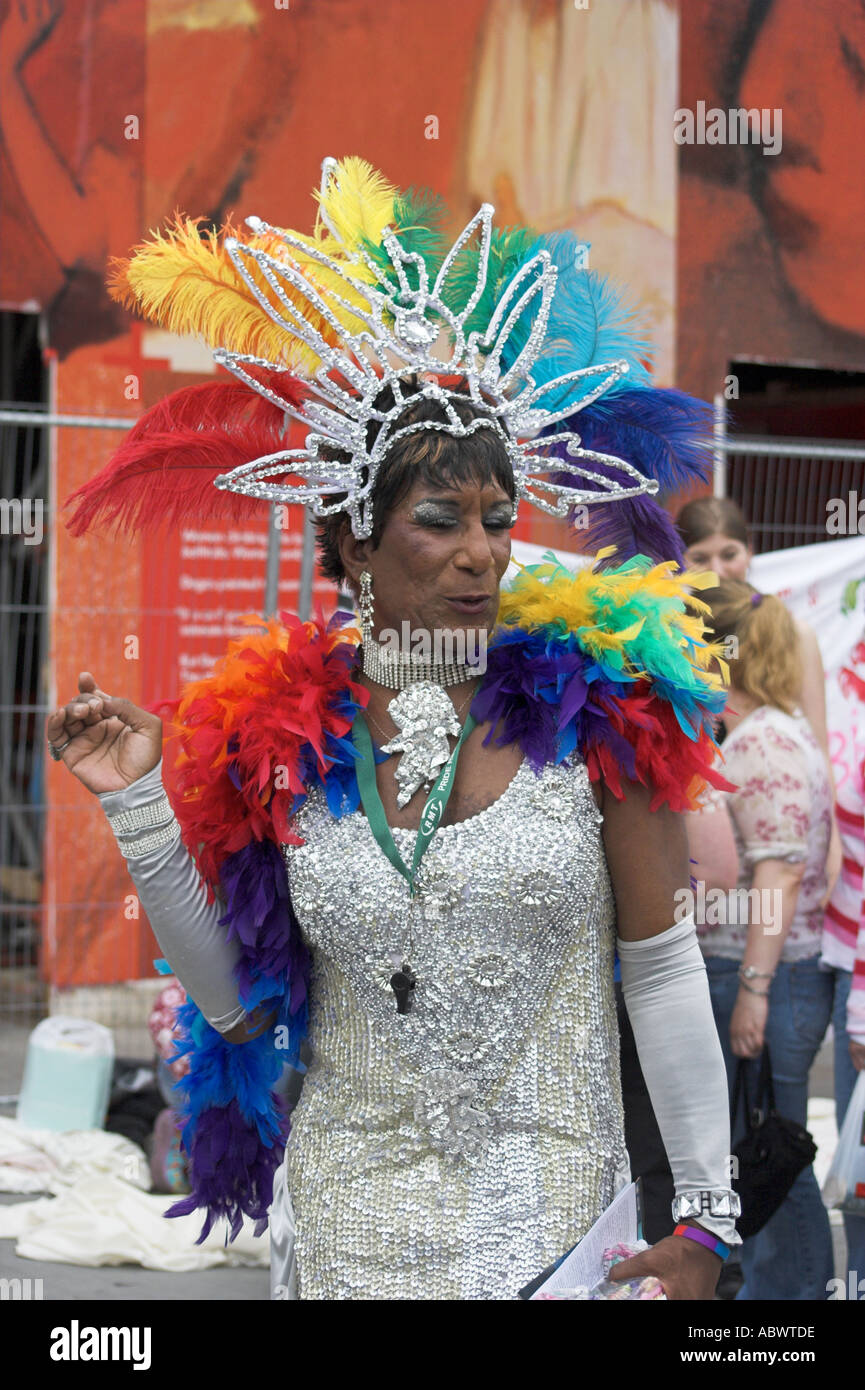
[(791, 1257), (845, 1080)]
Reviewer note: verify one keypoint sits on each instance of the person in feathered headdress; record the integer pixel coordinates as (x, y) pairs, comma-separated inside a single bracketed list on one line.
[(417, 850)]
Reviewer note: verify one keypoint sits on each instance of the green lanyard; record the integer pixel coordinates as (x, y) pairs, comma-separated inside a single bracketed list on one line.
[(433, 810)]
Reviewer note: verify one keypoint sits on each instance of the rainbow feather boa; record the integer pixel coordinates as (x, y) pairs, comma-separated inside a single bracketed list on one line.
[(611, 664)]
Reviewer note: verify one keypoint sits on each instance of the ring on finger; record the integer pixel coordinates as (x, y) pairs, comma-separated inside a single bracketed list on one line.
[(56, 750)]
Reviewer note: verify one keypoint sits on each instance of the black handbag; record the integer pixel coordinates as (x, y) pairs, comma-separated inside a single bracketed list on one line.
[(771, 1155)]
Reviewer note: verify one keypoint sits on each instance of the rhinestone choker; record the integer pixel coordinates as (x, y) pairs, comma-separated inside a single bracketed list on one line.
[(397, 670)]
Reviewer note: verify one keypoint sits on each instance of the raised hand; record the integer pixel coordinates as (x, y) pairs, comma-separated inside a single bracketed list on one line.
[(107, 742)]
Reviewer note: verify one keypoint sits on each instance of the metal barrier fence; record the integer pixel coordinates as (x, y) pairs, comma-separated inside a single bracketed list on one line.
[(784, 486), (23, 587), (27, 439)]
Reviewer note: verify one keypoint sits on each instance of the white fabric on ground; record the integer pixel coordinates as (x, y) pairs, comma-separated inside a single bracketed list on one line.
[(99, 1214), (105, 1221), (46, 1160)]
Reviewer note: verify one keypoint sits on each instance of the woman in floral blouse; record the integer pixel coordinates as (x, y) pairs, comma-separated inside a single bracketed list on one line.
[(762, 941)]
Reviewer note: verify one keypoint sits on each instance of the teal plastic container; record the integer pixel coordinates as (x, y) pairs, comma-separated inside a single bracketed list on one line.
[(67, 1075)]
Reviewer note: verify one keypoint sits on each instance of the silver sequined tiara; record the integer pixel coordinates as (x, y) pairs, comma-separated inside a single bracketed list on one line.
[(408, 328)]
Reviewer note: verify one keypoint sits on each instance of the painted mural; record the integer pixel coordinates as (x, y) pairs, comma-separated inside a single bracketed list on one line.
[(771, 244)]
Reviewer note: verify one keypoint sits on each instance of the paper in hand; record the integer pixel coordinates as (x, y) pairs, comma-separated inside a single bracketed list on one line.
[(583, 1267)]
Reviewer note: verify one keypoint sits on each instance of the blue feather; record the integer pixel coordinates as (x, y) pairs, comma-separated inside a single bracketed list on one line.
[(589, 325)]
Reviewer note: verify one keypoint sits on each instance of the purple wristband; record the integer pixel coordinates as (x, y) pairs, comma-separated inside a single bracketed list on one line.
[(712, 1243)]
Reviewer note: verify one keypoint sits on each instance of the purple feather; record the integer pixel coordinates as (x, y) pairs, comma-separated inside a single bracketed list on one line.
[(595, 731), (665, 434), (575, 694), (543, 695), (233, 1170), (258, 908), (507, 698), (635, 526)]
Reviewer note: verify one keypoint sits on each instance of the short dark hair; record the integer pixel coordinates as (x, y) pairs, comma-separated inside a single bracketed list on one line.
[(432, 456)]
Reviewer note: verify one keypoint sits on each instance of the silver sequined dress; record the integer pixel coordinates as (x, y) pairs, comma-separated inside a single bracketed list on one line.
[(455, 1151)]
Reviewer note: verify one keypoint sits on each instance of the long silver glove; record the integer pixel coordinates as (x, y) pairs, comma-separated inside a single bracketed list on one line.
[(175, 899), (667, 997)]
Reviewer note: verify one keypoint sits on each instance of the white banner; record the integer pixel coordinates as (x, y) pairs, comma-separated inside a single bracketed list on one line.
[(813, 581)]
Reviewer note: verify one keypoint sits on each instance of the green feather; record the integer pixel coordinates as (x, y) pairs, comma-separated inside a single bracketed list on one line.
[(508, 249), (848, 598), (418, 222)]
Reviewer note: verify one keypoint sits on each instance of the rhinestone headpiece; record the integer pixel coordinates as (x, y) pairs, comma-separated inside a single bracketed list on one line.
[(371, 322)]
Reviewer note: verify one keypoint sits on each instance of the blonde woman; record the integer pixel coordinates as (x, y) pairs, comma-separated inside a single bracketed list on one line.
[(714, 532), (762, 950)]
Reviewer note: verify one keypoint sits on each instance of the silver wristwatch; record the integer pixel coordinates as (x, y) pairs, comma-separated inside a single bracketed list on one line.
[(716, 1201)]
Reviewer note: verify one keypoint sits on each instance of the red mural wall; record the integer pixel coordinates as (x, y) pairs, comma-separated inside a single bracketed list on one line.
[(770, 247)]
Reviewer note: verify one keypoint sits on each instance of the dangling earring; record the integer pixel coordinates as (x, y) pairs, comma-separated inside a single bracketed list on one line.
[(366, 608)]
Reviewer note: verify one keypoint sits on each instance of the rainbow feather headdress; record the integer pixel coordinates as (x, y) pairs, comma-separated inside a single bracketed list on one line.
[(406, 324), (315, 327)]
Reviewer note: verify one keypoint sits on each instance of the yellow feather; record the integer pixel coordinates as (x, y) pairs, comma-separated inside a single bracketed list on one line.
[(329, 283), (715, 653), (358, 201), (184, 280), (609, 641), (703, 579), (187, 283)]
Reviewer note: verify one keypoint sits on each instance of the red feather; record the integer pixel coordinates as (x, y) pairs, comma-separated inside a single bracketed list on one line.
[(273, 696), (162, 475), (673, 766)]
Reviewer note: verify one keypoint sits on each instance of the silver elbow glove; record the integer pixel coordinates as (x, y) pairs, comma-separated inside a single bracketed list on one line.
[(174, 897), (667, 997)]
